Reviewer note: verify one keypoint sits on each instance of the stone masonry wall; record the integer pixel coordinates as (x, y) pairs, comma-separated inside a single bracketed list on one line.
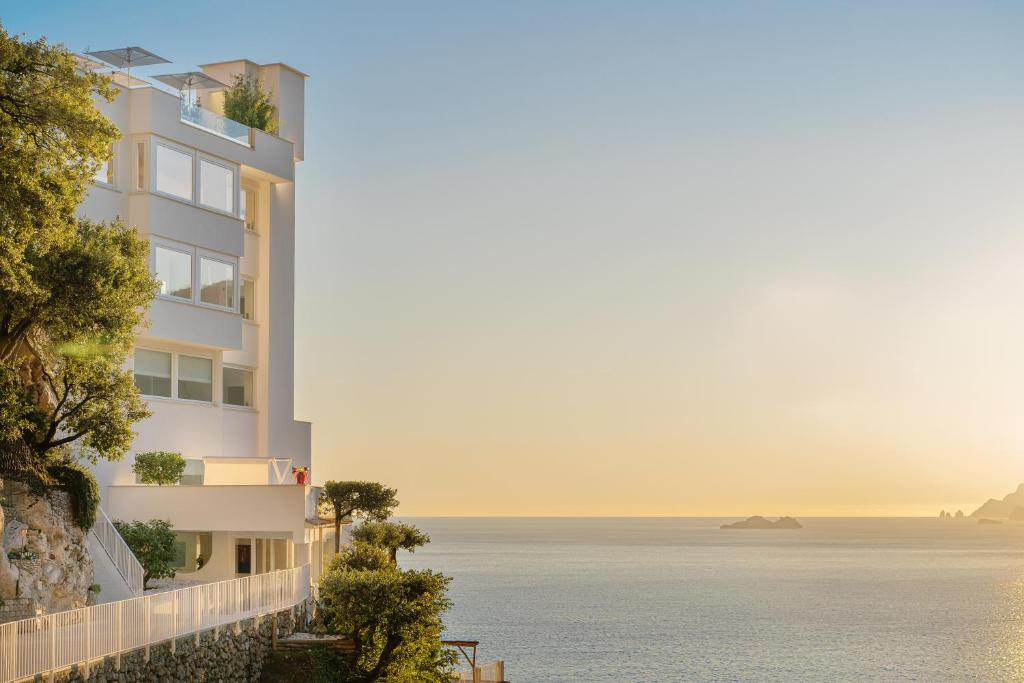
[(236, 654)]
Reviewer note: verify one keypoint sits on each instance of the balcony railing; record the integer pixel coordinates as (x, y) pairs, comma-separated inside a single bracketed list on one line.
[(119, 552), (215, 123)]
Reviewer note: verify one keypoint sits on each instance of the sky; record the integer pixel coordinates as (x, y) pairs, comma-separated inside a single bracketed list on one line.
[(644, 258)]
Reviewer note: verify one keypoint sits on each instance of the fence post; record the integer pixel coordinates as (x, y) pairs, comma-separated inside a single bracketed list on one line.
[(120, 632), (199, 612), (174, 621), (88, 642), (149, 630), (53, 645)]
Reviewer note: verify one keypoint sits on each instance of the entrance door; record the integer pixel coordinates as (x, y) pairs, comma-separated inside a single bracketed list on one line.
[(243, 559)]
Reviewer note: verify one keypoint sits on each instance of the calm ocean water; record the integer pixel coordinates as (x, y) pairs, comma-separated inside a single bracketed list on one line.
[(681, 600)]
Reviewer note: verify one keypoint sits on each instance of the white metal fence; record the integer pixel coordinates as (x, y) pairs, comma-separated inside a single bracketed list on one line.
[(57, 641), (119, 552)]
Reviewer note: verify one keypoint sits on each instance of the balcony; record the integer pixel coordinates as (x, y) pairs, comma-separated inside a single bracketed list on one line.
[(194, 115), (235, 508)]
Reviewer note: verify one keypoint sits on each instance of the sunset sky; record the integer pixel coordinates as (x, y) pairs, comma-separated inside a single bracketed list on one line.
[(629, 258)]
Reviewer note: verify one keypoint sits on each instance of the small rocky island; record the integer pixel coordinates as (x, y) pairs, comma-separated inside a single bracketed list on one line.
[(759, 522)]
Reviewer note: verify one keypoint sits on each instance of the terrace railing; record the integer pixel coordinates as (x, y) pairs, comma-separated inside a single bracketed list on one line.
[(120, 554), (212, 122), (57, 641)]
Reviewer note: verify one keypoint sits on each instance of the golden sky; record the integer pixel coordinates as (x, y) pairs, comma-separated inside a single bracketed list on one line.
[(664, 265)]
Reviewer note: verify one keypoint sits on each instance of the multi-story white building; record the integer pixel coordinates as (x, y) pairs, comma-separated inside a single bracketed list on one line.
[(216, 201)]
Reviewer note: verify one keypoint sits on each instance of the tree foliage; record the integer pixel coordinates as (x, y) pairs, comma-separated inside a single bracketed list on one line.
[(152, 543), (347, 499), (247, 102), (72, 291), (159, 467), (51, 139), (394, 619), (81, 487), (390, 536)]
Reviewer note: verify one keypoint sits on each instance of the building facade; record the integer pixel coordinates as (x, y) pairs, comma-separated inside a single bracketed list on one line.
[(216, 201)]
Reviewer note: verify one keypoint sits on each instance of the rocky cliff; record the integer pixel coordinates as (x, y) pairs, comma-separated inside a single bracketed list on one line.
[(45, 563), (1001, 509)]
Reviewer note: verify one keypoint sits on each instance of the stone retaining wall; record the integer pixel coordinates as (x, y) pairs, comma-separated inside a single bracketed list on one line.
[(236, 653)]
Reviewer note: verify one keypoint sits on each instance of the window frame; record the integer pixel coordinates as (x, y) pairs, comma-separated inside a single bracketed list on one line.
[(155, 177), (235, 183), (235, 277), (255, 297), (214, 385), (181, 249), (111, 175), (174, 387), (235, 406)]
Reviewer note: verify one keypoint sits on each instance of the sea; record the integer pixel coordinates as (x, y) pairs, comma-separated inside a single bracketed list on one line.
[(679, 599)]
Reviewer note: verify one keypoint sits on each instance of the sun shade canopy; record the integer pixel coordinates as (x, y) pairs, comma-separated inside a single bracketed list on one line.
[(128, 57), (189, 80)]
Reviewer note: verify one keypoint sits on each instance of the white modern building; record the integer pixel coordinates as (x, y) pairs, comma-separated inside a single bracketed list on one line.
[(216, 200)]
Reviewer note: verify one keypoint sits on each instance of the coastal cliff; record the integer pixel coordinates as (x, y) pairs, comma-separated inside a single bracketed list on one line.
[(44, 559), (759, 522)]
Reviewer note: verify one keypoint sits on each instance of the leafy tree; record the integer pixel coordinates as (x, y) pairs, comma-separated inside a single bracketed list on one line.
[(152, 543), (393, 617), (51, 138), (82, 487), (391, 536), (357, 498), (159, 467), (360, 555), (247, 102), (72, 291)]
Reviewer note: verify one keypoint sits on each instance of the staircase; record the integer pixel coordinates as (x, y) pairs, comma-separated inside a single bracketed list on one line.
[(115, 567)]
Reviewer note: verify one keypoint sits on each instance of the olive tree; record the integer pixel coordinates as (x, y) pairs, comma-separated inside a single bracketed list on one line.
[(152, 543), (346, 499), (162, 468), (391, 536)]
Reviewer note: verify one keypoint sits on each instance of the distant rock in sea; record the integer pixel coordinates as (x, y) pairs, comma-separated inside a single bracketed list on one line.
[(759, 522), (1001, 509), (985, 520)]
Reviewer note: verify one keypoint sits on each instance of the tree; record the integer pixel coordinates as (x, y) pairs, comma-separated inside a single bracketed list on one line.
[(393, 618), (357, 498), (152, 543), (72, 291), (247, 102), (51, 138), (162, 468), (391, 536)]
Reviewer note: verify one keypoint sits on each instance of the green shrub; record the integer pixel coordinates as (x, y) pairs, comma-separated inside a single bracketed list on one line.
[(152, 543), (95, 588), (83, 489), (159, 467), (247, 102)]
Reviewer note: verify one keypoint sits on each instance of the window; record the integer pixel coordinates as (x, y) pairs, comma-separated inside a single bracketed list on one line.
[(153, 372), (173, 172), (105, 170), (216, 282), (174, 272), (141, 183), (195, 378), (193, 474), (247, 299), (247, 209), (238, 387), (216, 186)]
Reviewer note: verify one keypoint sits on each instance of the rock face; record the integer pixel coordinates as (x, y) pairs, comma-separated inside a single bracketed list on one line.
[(44, 559), (230, 655), (759, 522), (1001, 509)]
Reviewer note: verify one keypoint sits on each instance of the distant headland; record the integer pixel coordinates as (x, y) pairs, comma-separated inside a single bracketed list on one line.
[(1011, 507), (759, 522)]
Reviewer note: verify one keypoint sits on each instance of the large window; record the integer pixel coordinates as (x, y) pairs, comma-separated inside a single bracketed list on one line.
[(105, 171), (173, 172), (247, 299), (247, 209), (216, 186), (238, 387), (153, 372), (174, 272), (216, 282), (195, 378)]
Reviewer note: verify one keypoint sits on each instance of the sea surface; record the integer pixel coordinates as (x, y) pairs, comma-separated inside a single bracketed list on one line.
[(678, 599)]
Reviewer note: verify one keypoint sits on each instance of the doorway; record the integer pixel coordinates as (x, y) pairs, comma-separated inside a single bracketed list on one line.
[(243, 558)]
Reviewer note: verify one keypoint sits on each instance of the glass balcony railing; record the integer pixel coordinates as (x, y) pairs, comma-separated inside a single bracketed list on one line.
[(215, 123)]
